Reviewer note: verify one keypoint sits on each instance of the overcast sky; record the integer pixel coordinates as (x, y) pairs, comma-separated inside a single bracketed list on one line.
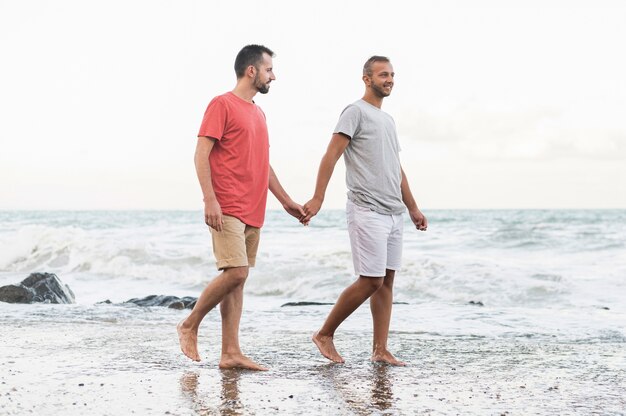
[(499, 104)]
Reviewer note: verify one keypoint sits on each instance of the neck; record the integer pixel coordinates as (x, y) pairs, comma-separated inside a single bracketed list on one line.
[(373, 99), (244, 91)]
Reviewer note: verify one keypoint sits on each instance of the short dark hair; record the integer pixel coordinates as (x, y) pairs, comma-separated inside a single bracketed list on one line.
[(250, 55), (367, 68)]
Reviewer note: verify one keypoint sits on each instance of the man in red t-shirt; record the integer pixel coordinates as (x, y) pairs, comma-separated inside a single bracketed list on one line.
[(232, 163)]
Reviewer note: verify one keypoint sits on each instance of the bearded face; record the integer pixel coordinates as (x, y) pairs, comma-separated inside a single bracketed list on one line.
[(380, 80), (262, 85), (264, 74), (382, 89)]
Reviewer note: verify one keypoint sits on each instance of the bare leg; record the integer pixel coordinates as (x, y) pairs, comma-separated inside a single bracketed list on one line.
[(381, 303), (213, 294), (349, 300), (230, 309)]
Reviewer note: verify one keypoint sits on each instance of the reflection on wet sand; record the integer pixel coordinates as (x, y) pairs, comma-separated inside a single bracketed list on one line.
[(382, 394), (375, 394), (230, 403)]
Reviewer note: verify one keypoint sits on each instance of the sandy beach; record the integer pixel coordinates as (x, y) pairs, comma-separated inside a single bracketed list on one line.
[(116, 360)]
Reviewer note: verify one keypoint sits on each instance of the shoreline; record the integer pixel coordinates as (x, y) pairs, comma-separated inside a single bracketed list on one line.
[(129, 362)]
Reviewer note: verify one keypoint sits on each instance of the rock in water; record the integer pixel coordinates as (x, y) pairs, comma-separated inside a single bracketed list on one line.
[(304, 303), (16, 294), (38, 287), (173, 302)]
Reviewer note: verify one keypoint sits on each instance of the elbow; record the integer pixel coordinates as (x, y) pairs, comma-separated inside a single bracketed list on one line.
[(196, 158), (200, 156), (331, 158)]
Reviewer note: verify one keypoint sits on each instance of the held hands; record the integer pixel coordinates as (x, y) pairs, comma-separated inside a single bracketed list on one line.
[(420, 221), (311, 209), (213, 214), (295, 210)]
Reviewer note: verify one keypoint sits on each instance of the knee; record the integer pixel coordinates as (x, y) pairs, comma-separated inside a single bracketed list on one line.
[(237, 275), (389, 280), (372, 283)]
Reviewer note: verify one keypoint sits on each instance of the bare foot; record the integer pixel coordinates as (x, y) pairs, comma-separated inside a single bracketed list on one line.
[(385, 357), (239, 361), (188, 339), (327, 347)]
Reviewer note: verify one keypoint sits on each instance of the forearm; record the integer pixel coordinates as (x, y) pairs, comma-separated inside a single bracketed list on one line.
[(325, 172), (203, 171), (277, 189), (407, 196)]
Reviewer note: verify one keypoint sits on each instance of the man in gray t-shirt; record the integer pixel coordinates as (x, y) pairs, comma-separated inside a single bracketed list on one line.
[(378, 193), (373, 172)]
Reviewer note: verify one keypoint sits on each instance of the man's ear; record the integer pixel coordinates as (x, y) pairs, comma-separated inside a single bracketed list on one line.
[(251, 71)]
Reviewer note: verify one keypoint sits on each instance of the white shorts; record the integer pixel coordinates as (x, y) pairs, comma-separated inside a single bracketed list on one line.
[(376, 240)]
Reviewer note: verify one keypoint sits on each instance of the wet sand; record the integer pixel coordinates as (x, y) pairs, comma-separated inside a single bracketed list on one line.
[(106, 360)]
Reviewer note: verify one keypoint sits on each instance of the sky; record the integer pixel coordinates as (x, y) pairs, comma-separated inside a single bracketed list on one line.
[(498, 104)]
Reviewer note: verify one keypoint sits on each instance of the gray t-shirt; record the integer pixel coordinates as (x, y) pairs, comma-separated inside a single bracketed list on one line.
[(373, 172)]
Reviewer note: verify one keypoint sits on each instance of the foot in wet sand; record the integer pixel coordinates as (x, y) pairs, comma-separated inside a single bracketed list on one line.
[(385, 357), (188, 339), (327, 347), (239, 361)]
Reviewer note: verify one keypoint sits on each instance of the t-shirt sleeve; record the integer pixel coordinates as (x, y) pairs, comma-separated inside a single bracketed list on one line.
[(349, 119), (214, 121)]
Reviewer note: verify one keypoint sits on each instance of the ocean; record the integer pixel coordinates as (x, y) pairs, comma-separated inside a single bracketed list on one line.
[(506, 284)]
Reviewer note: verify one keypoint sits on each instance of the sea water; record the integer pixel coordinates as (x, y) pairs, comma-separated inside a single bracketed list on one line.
[(533, 272), (499, 312), (536, 271)]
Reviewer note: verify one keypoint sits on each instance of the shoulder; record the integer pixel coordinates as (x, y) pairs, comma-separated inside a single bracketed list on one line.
[(220, 100), (353, 109)]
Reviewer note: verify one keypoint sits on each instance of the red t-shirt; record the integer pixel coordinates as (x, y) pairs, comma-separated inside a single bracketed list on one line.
[(239, 159)]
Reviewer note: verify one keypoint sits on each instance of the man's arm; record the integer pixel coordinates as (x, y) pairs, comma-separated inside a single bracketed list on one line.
[(212, 209), (420, 221), (336, 147), (279, 192)]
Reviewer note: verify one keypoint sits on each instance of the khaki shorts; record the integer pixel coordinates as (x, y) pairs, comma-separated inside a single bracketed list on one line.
[(236, 245)]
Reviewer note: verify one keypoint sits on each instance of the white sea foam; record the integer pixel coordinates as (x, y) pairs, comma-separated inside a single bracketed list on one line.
[(499, 258)]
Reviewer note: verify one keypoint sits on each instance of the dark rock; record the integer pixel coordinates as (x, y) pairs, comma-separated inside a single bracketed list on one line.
[(16, 294), (48, 287), (38, 287), (475, 303), (107, 302), (323, 303), (305, 304), (176, 305), (173, 302), (189, 301)]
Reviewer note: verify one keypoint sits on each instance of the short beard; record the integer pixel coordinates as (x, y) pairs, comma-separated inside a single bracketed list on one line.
[(379, 91), (260, 87)]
